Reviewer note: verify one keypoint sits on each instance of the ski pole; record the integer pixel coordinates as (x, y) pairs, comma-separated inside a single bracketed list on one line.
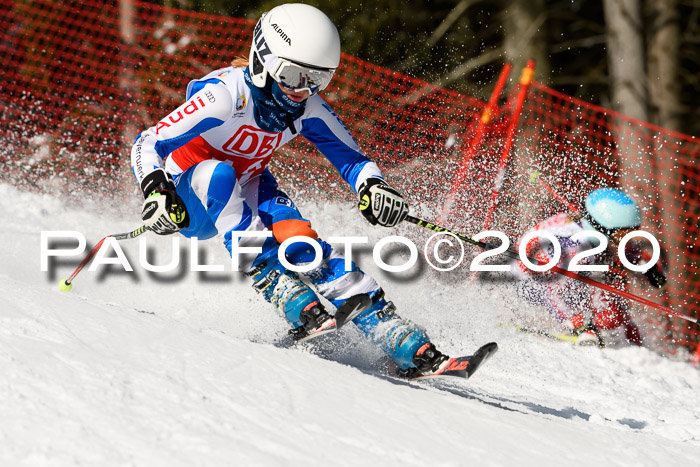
[(67, 284), (565, 272), (536, 176)]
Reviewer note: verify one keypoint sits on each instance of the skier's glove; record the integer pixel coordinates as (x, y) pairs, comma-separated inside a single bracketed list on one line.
[(656, 277), (381, 204), (163, 212)]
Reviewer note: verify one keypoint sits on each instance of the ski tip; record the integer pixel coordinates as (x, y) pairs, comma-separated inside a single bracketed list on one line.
[(459, 367), (480, 357), (351, 308)]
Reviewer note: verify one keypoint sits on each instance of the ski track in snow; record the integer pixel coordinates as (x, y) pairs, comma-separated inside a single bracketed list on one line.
[(136, 369)]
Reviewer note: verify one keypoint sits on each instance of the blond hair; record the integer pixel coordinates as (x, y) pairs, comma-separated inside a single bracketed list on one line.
[(239, 62)]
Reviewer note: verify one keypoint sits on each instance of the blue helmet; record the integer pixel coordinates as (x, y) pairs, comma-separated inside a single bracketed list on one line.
[(608, 209)]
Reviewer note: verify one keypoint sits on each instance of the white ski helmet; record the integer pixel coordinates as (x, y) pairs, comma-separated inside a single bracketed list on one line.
[(608, 209), (297, 45)]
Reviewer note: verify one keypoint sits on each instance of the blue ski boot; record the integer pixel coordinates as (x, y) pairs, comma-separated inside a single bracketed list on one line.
[(403, 341), (409, 347), (426, 360), (293, 299)]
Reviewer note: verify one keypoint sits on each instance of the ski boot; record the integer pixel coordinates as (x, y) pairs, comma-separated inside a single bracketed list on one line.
[(315, 322), (586, 332), (293, 299), (408, 345), (426, 360)]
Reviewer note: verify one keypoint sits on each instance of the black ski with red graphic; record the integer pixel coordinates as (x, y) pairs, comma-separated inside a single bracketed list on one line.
[(460, 367)]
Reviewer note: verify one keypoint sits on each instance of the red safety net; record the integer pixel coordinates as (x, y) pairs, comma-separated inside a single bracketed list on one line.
[(80, 79)]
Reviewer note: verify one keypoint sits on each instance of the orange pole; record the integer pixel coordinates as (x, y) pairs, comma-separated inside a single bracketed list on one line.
[(470, 150), (525, 80)]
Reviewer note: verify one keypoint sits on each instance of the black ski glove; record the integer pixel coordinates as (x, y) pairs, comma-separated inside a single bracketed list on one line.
[(381, 204), (163, 212), (656, 277)]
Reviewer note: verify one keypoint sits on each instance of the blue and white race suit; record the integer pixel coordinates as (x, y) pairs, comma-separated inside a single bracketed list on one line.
[(218, 157)]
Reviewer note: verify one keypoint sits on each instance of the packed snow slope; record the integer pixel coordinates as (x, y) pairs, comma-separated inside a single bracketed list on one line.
[(192, 368)]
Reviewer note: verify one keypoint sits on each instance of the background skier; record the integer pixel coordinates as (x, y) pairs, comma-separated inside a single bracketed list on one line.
[(589, 313)]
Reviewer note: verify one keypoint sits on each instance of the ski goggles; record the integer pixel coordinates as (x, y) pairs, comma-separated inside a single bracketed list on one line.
[(299, 78)]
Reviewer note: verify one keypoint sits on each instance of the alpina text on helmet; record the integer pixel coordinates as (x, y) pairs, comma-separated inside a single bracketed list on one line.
[(282, 34)]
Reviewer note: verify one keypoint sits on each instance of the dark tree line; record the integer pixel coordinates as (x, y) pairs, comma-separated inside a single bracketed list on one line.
[(641, 57)]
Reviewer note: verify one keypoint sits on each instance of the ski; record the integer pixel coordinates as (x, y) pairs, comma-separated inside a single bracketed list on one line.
[(460, 367), (326, 327), (540, 332), (350, 309)]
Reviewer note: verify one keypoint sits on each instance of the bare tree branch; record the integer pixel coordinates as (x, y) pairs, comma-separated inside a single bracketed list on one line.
[(449, 21), (472, 63), (578, 43)]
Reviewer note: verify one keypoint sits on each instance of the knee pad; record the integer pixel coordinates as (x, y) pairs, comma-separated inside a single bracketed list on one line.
[(282, 230), (299, 252)]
